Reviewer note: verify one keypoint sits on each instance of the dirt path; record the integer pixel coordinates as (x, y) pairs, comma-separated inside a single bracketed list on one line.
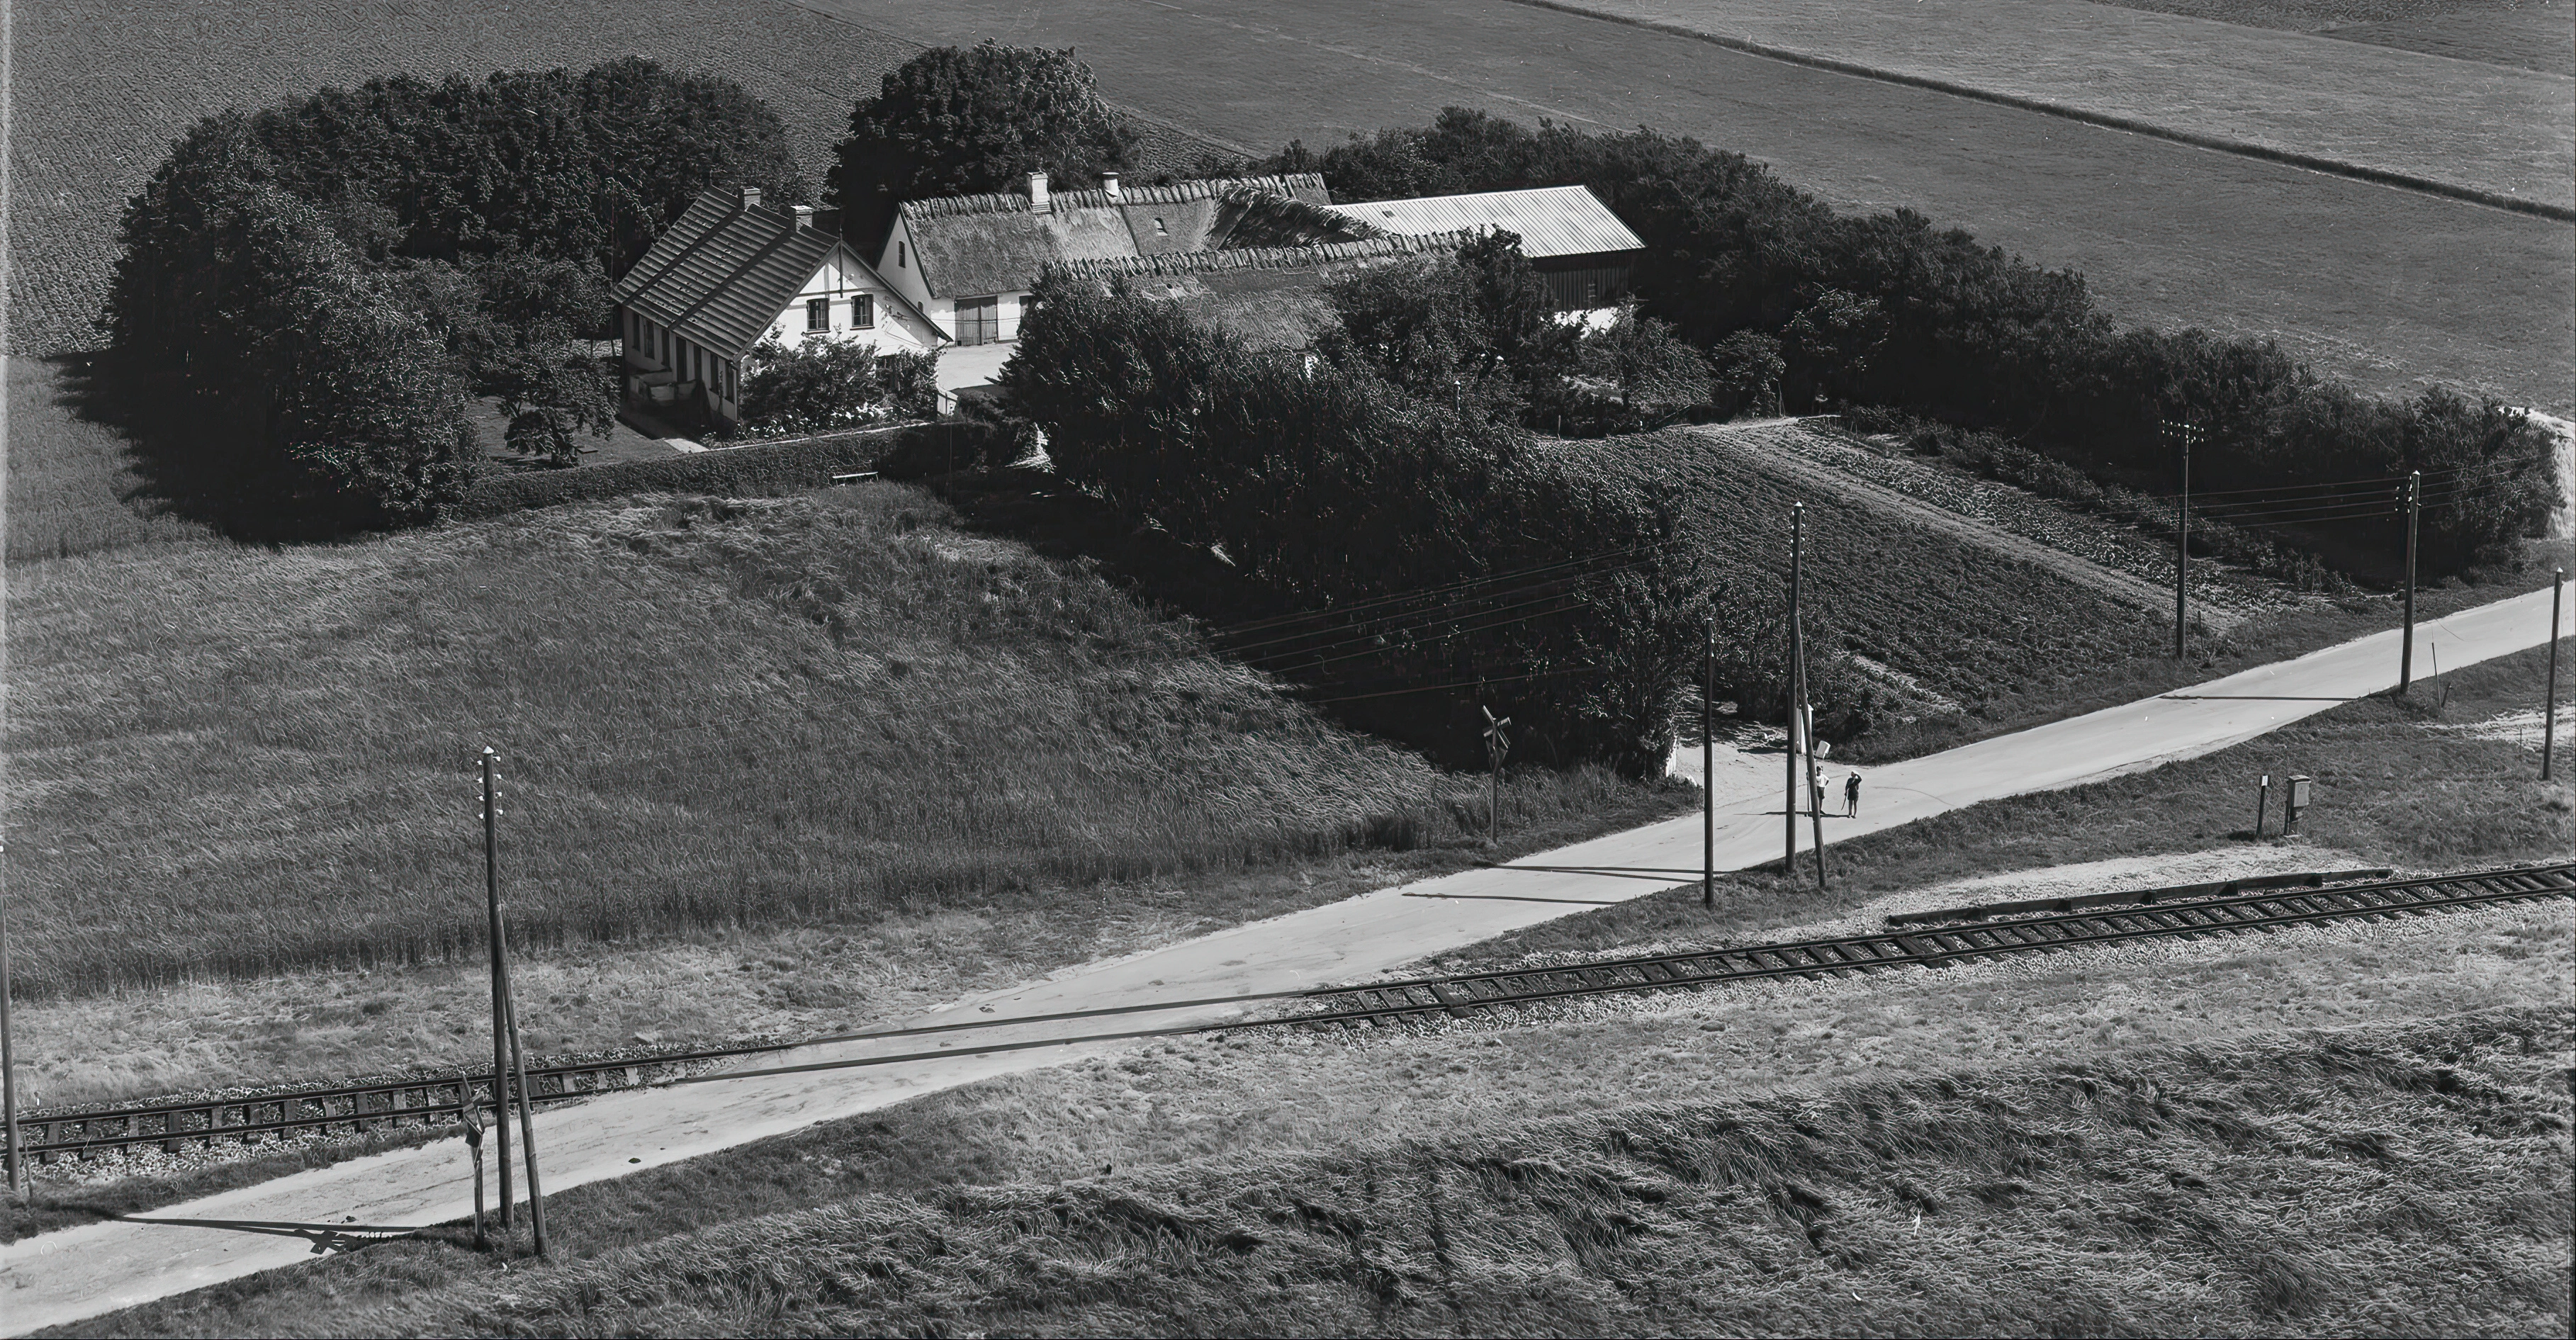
[(2123, 587), (60, 1277)]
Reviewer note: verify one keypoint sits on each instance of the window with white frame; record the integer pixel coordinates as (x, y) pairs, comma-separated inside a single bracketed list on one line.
[(979, 320), (863, 311), (818, 314)]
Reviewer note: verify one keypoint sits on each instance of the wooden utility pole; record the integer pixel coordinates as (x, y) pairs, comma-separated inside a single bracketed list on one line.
[(515, 1075), (1789, 812), (1497, 744), (473, 1124), (2183, 435), (8, 1053), (2406, 649), (527, 1121), (1815, 785), (2548, 708), (500, 992), (1708, 765)]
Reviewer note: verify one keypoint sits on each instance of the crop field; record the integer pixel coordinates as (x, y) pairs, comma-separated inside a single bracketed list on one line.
[(2383, 287), (1972, 625), (2530, 34), (103, 87), (710, 715), (2504, 130), (2214, 586)]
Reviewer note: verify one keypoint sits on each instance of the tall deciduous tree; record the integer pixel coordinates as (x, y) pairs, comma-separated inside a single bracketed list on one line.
[(963, 120)]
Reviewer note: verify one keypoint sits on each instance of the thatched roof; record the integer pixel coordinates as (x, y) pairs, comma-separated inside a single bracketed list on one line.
[(974, 245), (1272, 297)]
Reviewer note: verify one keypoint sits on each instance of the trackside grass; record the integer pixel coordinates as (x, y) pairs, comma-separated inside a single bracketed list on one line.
[(2396, 785), (2364, 1182), (710, 715)]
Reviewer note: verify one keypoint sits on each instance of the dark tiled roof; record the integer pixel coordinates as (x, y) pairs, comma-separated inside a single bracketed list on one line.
[(721, 273), (972, 245)]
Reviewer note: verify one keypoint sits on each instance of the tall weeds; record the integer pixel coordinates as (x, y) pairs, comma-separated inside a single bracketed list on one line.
[(708, 714)]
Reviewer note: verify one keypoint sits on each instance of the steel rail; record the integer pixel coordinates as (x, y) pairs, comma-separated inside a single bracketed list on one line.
[(1462, 995)]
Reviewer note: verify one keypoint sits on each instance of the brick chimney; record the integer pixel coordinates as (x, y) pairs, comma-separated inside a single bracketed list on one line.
[(804, 215), (751, 197), (1038, 202), (1109, 185)]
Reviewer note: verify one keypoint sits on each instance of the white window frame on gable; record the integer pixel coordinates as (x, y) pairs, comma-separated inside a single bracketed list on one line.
[(863, 311), (818, 314)]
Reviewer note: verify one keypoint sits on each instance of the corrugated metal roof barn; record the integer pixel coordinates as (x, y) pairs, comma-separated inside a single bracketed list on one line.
[(1552, 220)]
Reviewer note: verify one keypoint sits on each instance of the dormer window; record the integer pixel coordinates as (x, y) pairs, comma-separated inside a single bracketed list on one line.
[(1160, 230)]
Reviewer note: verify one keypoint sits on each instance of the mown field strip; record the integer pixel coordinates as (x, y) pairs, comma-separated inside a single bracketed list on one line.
[(2509, 133)]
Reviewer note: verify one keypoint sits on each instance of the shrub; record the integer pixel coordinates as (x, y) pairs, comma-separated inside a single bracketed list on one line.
[(777, 467), (814, 387)]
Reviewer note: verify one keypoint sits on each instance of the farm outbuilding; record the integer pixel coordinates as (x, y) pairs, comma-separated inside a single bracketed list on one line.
[(970, 261), (1586, 254), (731, 272)]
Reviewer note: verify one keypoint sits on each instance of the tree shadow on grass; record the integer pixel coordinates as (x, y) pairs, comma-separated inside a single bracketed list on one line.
[(187, 462), (179, 464)]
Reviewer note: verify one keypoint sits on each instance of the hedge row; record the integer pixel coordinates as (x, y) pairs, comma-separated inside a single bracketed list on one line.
[(772, 468)]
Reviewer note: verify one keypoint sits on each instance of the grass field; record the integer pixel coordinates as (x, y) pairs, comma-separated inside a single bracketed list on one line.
[(709, 716), (2529, 34), (2383, 1179), (72, 486), (2505, 130), (2383, 287)]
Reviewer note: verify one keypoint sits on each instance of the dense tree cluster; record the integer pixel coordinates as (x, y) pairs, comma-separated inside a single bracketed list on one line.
[(967, 120), (1574, 608), (449, 239), (1888, 309)]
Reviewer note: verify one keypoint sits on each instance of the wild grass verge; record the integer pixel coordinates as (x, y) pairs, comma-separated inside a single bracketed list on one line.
[(2391, 787), (709, 713), (2387, 1180)]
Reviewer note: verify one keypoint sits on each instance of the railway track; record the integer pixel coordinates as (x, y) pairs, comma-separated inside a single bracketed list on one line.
[(1968, 934), (1913, 940)]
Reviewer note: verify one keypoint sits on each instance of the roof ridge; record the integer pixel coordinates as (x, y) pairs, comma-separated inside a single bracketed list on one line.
[(1174, 263), (1197, 188)]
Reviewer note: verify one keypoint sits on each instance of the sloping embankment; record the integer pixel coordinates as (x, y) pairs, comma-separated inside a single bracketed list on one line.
[(2364, 1182)]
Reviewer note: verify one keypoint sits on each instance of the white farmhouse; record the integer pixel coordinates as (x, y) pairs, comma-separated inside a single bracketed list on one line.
[(970, 261), (731, 272)]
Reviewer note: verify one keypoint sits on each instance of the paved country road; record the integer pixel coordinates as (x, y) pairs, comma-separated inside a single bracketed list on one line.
[(63, 1276)]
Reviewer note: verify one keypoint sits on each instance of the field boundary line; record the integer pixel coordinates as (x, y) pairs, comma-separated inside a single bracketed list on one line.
[(2333, 167)]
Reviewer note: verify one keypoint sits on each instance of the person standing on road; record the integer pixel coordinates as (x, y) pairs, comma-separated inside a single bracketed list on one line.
[(1851, 796)]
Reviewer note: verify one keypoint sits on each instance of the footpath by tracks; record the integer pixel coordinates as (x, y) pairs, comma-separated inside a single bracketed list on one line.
[(1920, 939)]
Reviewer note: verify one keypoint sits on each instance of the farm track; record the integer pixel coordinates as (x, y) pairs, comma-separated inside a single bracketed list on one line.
[(1967, 934), (1775, 455)]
